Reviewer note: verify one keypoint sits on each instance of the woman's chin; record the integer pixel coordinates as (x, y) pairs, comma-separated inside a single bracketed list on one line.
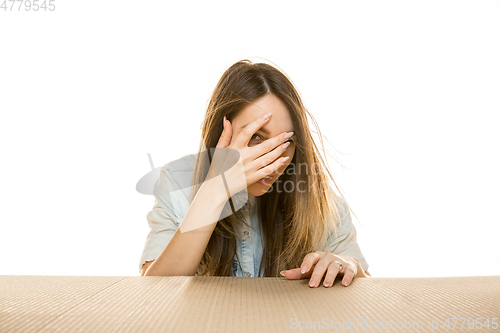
[(258, 189)]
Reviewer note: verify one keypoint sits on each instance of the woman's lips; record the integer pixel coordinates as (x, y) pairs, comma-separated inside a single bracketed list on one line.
[(267, 180)]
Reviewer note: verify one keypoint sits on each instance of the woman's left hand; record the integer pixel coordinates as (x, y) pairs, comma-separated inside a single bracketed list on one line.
[(324, 263)]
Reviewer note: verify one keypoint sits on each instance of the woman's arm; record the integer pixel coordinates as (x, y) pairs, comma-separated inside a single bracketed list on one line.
[(359, 269), (183, 253), (145, 267), (345, 242)]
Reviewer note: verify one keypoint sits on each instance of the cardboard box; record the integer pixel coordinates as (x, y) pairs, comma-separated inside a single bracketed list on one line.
[(233, 304)]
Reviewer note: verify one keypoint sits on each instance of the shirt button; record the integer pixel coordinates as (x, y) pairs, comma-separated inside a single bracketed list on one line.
[(248, 274), (246, 233)]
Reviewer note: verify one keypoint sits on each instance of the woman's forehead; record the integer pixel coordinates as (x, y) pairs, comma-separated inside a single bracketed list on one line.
[(280, 120), (271, 128)]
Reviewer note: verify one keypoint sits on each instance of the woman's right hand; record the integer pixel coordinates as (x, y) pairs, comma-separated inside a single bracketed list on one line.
[(242, 165)]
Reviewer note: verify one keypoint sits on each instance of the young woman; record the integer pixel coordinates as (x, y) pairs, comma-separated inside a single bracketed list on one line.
[(292, 224)]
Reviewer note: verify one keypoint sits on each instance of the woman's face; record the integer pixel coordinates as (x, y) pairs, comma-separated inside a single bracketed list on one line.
[(280, 122)]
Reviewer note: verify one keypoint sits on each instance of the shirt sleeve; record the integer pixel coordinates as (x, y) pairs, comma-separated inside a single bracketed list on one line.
[(345, 241), (163, 220)]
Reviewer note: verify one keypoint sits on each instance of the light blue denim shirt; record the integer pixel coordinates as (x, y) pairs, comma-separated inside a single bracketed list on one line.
[(249, 246), (172, 193)]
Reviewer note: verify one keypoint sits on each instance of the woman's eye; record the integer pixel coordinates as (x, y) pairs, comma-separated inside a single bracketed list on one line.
[(256, 135)]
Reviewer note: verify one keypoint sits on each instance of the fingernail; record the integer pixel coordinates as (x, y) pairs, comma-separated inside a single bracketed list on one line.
[(282, 273), (344, 283), (285, 145), (267, 115), (289, 134), (303, 269), (283, 160), (327, 283), (312, 283)]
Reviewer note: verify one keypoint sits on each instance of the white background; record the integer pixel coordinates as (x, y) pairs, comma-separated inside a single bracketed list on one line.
[(405, 92)]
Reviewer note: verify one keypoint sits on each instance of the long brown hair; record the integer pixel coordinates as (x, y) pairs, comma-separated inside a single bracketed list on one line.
[(293, 223)]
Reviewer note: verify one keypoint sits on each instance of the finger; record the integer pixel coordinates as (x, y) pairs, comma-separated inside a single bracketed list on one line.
[(295, 274), (331, 274), (309, 261), (225, 138), (271, 168), (265, 147), (319, 271), (244, 136), (271, 149), (349, 273)]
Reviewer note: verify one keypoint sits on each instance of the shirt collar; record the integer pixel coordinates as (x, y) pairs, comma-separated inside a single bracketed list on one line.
[(252, 200)]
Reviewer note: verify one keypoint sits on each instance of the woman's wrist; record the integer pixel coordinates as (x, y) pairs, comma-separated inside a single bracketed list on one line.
[(216, 189)]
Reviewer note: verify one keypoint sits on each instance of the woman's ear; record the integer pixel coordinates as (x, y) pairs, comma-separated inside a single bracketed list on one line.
[(229, 129)]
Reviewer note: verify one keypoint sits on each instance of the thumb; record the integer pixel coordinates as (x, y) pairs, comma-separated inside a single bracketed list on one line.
[(225, 138)]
